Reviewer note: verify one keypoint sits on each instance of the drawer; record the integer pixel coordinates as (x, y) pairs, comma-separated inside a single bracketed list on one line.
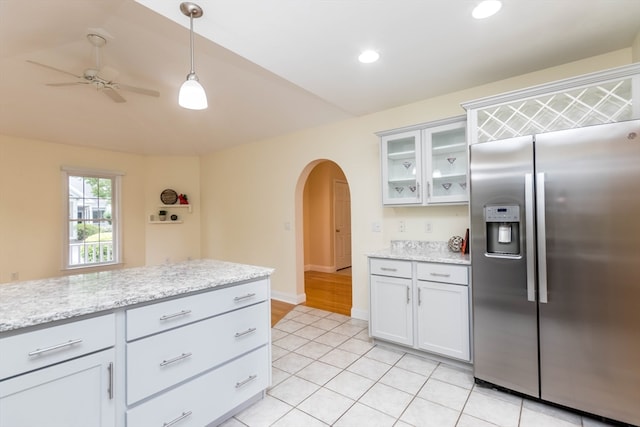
[(165, 315), (446, 273), (390, 267), (160, 361), (43, 347), (208, 397)]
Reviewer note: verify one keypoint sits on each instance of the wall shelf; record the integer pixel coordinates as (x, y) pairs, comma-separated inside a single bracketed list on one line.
[(176, 206), (166, 222)]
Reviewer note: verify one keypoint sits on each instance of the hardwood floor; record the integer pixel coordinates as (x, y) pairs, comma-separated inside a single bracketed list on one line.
[(325, 291)]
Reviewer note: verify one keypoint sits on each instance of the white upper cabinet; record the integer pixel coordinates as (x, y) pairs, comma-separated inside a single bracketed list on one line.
[(425, 164)]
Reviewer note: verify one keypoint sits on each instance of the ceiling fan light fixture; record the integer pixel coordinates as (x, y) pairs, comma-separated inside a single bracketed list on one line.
[(192, 94), (486, 9)]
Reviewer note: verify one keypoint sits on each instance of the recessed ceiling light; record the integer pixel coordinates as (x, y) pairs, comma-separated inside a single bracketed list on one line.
[(368, 56), (486, 9)]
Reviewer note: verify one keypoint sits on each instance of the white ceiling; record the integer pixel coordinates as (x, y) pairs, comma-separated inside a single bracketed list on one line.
[(272, 66)]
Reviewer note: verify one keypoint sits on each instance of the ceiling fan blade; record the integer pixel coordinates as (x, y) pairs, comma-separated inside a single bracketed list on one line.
[(108, 74), (67, 84), (54, 68), (115, 96), (142, 91)]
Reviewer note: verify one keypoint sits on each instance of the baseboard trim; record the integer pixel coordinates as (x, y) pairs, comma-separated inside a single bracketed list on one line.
[(320, 268), (356, 313), (288, 298)]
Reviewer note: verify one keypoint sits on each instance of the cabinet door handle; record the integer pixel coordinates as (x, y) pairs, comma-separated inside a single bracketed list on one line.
[(250, 295), (248, 331), (408, 294), (388, 269), (69, 343), (177, 420), (248, 380), (110, 388), (419, 296), (178, 314), (440, 274), (175, 359)]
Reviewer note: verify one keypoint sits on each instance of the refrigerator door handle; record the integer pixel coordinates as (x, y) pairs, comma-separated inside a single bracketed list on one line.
[(529, 236), (542, 244)]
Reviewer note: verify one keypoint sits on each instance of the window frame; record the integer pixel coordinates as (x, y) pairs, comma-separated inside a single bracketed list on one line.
[(116, 217)]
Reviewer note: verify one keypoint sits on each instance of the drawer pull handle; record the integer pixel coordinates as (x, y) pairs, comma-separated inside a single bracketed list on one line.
[(110, 388), (440, 274), (248, 380), (248, 331), (178, 314), (177, 420), (175, 359), (388, 269), (54, 347), (238, 299)]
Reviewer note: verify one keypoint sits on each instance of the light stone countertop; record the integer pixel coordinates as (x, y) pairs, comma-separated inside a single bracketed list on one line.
[(35, 302), (418, 250)]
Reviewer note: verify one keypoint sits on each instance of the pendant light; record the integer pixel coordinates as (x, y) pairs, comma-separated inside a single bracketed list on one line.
[(192, 94)]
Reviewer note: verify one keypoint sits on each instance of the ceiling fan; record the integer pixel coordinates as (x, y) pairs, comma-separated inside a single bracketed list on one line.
[(102, 78)]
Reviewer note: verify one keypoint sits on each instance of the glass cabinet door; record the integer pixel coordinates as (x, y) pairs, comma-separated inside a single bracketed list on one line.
[(447, 163), (401, 168)]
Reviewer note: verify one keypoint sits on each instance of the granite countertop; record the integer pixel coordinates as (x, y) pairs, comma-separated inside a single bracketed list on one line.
[(35, 302), (418, 250)]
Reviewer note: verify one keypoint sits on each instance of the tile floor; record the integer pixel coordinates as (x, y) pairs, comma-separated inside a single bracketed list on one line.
[(326, 371)]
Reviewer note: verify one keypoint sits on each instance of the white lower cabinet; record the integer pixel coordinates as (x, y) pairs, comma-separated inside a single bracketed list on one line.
[(421, 305)]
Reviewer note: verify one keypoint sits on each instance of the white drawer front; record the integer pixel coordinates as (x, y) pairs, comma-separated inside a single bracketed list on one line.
[(165, 359), (158, 317), (207, 397), (446, 273), (390, 267), (32, 350)]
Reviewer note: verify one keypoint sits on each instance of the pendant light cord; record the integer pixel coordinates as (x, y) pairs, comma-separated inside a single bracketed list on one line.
[(193, 71)]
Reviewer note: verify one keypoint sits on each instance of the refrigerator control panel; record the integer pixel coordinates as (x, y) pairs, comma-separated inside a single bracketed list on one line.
[(502, 213)]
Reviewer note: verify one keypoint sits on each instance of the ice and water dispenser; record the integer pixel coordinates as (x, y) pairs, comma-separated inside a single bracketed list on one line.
[(503, 230)]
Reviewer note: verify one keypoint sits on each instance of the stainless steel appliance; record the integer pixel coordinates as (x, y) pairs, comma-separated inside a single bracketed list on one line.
[(555, 246)]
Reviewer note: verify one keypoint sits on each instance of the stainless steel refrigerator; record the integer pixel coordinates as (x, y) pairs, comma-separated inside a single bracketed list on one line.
[(555, 247)]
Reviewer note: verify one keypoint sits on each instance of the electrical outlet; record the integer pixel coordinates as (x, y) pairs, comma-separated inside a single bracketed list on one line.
[(428, 227), (402, 227), (376, 227)]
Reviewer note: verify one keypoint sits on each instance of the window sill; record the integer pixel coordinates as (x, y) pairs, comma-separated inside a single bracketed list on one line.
[(93, 268)]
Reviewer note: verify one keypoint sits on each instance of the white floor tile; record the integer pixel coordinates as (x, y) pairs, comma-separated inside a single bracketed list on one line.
[(349, 384), (347, 329), (297, 418), (331, 338), (469, 421), (307, 318), (422, 413), (445, 394), (339, 358), (531, 418), (358, 322), (326, 405), (277, 376), (292, 362), (276, 334), (289, 325), (386, 399), (511, 398), (403, 380), (590, 422), (364, 336), (356, 346), (326, 324), (318, 372), (492, 409), (302, 308), (319, 313), (455, 376), (309, 332), (293, 390), (291, 342), (419, 365), (338, 317), (314, 350), (264, 413), (364, 416), (369, 368), (278, 352), (552, 411), (383, 354)]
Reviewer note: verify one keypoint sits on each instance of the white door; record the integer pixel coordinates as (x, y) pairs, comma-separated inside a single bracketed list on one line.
[(342, 222), (391, 309), (443, 319)]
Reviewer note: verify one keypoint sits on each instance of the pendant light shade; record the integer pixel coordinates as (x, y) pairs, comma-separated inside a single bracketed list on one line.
[(192, 94)]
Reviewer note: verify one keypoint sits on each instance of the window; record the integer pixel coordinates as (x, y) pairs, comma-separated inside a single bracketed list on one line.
[(92, 225)]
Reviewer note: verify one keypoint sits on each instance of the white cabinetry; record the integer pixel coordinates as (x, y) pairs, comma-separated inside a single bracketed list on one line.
[(55, 377), (421, 305), (425, 164)]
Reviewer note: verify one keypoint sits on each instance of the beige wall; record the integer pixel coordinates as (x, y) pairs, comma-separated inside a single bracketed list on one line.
[(31, 205), (635, 48), (318, 217), (250, 192)]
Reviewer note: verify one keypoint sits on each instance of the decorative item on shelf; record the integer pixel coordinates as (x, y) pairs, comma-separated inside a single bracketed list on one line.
[(399, 189), (183, 199), (455, 243), (413, 188), (174, 217), (446, 185), (465, 244), (162, 215), (407, 164), (463, 185), (168, 197)]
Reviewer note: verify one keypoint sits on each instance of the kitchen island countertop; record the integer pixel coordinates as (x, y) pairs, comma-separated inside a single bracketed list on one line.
[(417, 250), (35, 302)]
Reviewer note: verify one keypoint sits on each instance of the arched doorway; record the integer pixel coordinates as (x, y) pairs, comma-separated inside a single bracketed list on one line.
[(326, 229)]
